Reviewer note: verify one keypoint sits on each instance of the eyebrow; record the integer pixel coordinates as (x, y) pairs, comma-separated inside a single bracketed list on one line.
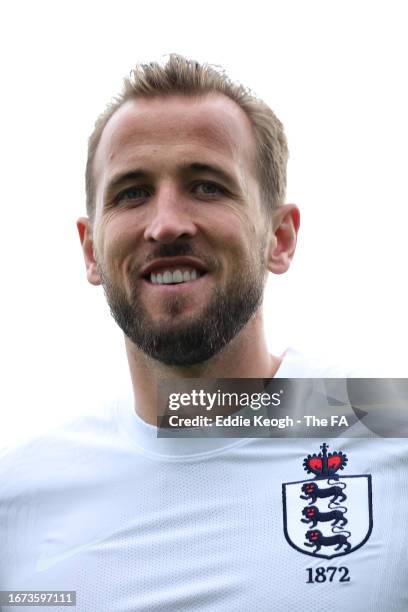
[(140, 173), (210, 169)]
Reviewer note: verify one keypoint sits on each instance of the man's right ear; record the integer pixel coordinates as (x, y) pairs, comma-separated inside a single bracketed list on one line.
[(85, 235)]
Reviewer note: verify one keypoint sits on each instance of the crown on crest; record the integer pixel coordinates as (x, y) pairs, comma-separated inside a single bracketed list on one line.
[(325, 465)]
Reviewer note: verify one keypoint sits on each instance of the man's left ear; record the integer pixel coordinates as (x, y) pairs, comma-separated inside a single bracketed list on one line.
[(282, 245)]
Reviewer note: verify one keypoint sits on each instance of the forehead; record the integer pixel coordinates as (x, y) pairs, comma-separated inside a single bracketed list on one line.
[(172, 128)]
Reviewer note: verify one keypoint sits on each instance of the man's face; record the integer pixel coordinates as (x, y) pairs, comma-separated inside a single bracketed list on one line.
[(180, 234)]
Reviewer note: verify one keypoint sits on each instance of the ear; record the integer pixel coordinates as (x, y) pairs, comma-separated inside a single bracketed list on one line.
[(285, 226), (84, 226)]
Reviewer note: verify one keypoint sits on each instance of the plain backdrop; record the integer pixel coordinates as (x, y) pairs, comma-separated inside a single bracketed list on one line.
[(335, 74)]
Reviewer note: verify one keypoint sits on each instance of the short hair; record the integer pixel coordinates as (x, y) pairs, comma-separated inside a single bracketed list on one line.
[(179, 75)]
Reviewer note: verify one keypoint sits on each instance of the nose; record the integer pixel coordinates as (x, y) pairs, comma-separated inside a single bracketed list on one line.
[(171, 217)]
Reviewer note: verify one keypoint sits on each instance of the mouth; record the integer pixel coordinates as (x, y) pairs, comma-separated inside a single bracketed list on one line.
[(174, 273), (173, 279)]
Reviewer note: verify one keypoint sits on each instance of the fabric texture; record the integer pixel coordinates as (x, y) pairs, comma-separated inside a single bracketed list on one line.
[(132, 523)]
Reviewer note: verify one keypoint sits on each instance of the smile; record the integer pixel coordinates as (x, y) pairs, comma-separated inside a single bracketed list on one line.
[(175, 276)]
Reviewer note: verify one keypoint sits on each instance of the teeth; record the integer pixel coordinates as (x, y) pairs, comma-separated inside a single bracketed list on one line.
[(172, 277), (177, 277)]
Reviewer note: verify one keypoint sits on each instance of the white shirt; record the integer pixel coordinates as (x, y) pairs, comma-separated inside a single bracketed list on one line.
[(132, 523)]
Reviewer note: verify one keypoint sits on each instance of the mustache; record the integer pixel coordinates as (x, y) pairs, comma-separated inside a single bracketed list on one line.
[(172, 250), (181, 249)]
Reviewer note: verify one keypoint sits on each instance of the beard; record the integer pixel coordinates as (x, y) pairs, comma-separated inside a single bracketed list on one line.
[(192, 340)]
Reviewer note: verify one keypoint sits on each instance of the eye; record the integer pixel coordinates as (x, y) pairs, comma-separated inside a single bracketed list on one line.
[(132, 194), (208, 188)]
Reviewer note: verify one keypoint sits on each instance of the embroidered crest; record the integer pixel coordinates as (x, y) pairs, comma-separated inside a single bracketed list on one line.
[(329, 515)]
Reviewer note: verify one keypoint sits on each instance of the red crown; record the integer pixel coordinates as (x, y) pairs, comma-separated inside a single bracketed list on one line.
[(325, 465)]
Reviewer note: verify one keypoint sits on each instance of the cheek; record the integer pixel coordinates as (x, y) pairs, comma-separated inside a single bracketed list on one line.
[(232, 225), (240, 243), (114, 241)]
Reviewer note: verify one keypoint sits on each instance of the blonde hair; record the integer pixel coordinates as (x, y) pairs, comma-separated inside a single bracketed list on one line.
[(180, 75)]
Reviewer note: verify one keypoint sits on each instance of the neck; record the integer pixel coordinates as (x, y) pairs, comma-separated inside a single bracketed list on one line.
[(246, 356)]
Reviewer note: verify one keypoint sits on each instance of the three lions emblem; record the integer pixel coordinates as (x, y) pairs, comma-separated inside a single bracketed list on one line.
[(337, 510)]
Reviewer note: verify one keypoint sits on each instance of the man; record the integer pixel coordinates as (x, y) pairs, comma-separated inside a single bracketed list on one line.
[(185, 186), (176, 185)]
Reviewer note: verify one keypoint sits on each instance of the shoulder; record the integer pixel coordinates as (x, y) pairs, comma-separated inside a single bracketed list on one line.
[(53, 453), (295, 364)]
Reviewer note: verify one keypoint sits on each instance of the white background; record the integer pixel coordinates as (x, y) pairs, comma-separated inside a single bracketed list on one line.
[(334, 72)]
